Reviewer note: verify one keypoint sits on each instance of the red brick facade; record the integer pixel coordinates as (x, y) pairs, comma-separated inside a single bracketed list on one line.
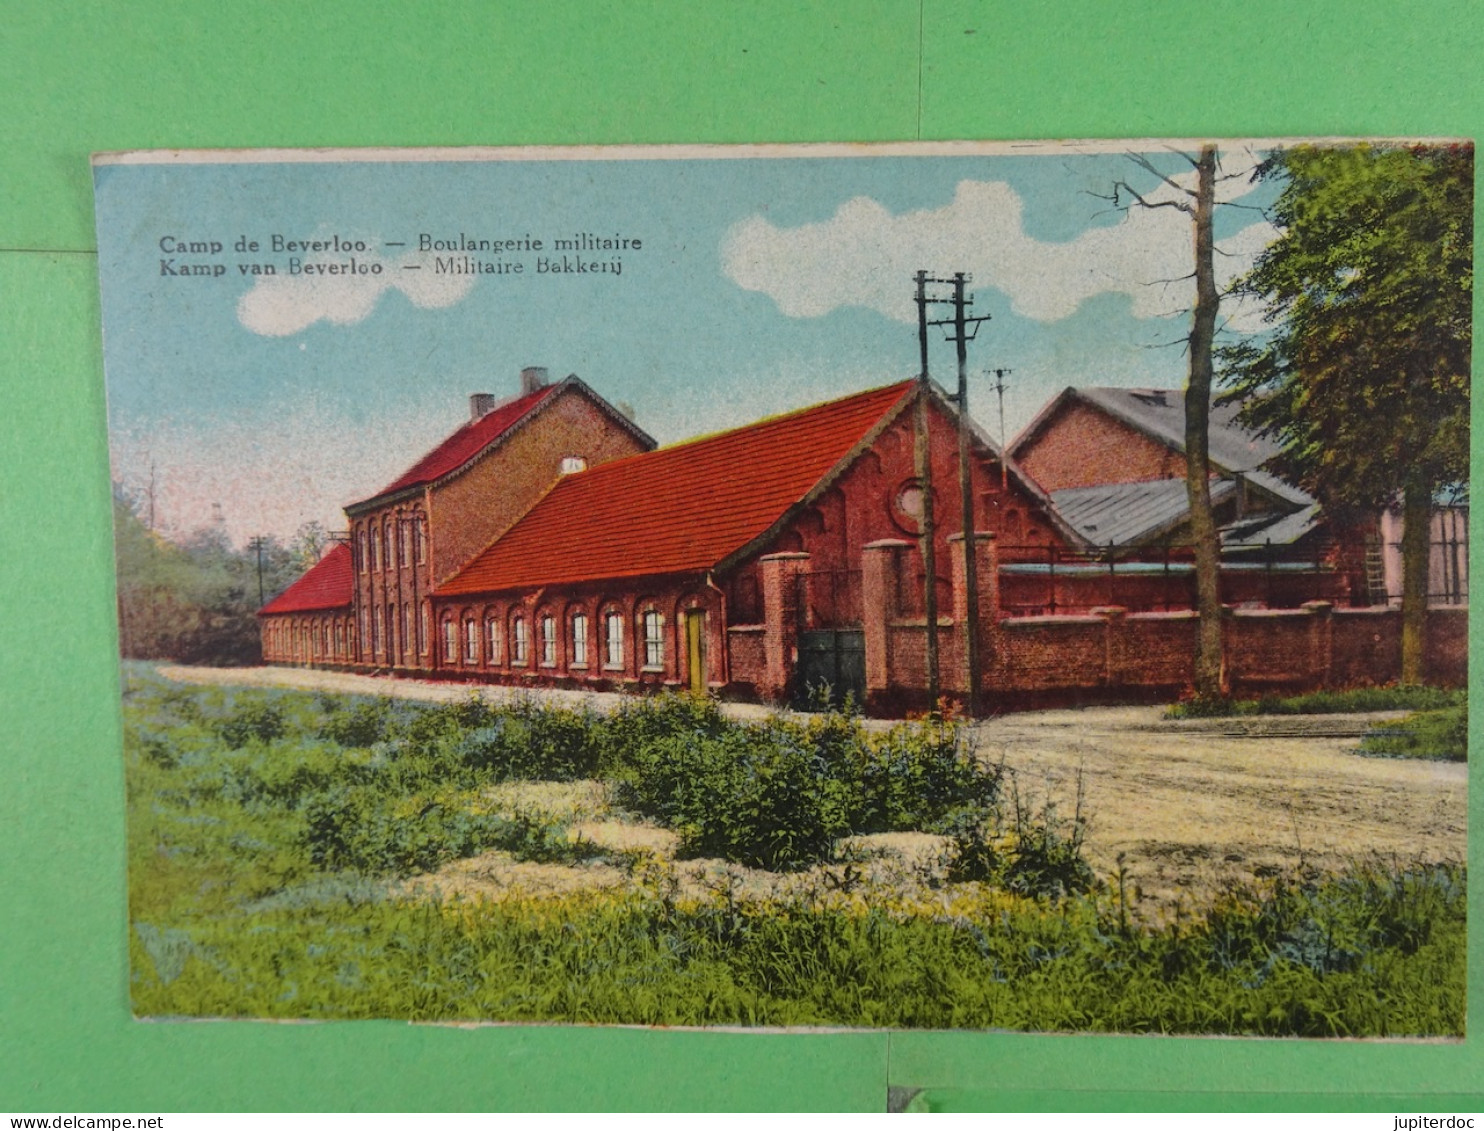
[(505, 570), (1085, 447), (806, 573), (432, 520)]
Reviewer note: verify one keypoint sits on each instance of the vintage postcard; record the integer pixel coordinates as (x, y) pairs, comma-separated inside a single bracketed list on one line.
[(954, 586)]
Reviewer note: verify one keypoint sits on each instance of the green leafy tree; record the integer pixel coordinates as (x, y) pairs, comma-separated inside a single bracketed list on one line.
[(194, 601), (1364, 376)]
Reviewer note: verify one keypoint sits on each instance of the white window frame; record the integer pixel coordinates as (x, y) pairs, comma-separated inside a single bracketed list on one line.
[(548, 628), (613, 641), (520, 642), (450, 640), (579, 640), (653, 623), (493, 640), (471, 641)]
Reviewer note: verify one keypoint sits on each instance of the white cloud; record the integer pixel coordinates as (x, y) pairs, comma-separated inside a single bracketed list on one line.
[(280, 305), (866, 256)]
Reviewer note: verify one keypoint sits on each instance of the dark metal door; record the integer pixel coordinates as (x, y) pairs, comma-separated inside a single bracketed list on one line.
[(832, 666)]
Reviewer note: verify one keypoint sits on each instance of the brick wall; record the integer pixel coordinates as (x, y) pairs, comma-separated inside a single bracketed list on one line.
[(1114, 654), (1084, 447), (469, 511)]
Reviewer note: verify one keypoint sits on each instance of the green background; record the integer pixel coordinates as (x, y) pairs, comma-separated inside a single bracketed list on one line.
[(79, 77)]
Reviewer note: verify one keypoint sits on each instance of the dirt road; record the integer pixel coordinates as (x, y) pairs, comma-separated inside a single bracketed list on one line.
[(1191, 804)]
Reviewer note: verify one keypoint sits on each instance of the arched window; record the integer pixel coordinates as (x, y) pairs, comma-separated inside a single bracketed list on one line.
[(613, 640), (375, 551), (361, 563), (450, 640), (519, 643), (654, 639), (386, 535), (377, 628), (422, 631), (548, 641), (494, 646), (579, 640), (471, 641), (391, 632), (420, 537), (407, 636)]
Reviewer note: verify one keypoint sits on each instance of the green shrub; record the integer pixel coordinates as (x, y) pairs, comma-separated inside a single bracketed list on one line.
[(755, 795), (360, 724), (1437, 735), (1392, 697), (1038, 854), (348, 829), (252, 718), (623, 735), (922, 777)]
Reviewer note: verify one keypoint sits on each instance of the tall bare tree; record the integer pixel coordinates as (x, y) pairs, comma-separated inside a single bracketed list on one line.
[(1199, 203)]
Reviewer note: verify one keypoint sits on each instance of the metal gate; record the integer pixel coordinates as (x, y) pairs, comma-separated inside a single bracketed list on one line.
[(832, 666)]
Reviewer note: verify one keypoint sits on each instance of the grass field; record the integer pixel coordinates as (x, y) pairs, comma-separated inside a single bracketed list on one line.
[(295, 854)]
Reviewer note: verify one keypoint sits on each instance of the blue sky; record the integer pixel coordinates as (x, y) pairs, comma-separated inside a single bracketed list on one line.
[(763, 284)]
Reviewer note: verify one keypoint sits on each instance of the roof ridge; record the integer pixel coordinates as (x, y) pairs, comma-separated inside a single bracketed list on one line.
[(414, 477), (678, 508)]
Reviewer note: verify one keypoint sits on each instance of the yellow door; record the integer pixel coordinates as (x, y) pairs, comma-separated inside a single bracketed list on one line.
[(695, 650)]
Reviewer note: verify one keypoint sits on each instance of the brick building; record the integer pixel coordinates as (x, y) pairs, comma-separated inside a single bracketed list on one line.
[(735, 562), (548, 543), (368, 604), (1113, 462)]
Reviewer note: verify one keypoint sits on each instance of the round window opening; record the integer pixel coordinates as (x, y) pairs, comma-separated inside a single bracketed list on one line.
[(906, 506)]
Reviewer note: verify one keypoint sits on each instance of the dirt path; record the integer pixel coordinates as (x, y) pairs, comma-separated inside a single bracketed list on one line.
[(1195, 803), (1190, 804)]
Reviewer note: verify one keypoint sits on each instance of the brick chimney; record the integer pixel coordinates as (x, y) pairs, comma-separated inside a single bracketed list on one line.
[(532, 377), (480, 404)]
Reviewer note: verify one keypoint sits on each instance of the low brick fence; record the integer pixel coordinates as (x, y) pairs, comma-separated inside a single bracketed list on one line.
[(1110, 653)]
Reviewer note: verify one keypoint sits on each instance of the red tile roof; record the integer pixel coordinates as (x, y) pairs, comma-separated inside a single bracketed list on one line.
[(327, 585), (679, 509), (467, 442)]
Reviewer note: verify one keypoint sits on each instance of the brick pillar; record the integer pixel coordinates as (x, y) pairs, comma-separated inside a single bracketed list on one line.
[(881, 603), (779, 573), (1321, 640), (986, 618), (1113, 649)]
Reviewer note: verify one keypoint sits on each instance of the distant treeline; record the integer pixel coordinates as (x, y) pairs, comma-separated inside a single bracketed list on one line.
[(195, 599)]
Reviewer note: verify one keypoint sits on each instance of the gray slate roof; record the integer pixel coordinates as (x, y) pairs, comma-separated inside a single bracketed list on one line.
[(1281, 531), (1126, 514), (1161, 413)]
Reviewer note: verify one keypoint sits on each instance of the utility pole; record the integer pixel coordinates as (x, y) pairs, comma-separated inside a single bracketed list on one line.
[(257, 544), (964, 330), (999, 388), (150, 521), (922, 467)]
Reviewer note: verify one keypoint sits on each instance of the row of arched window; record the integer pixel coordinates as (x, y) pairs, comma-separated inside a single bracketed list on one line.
[(308, 640), (394, 541), (544, 640), (393, 633)]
